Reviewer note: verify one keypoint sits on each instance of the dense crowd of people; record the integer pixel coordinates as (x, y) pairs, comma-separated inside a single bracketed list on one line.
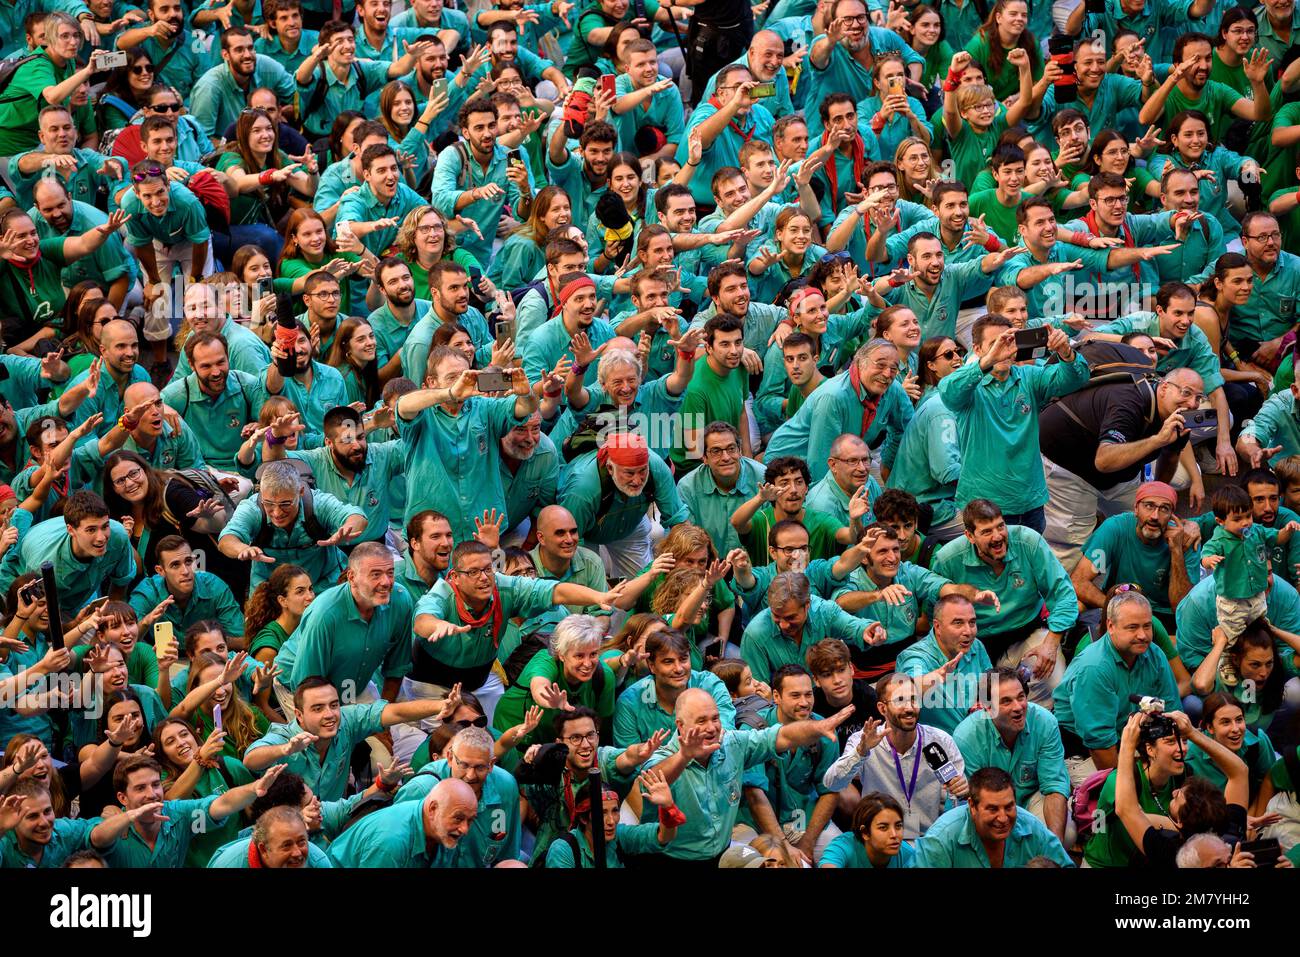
[(605, 433)]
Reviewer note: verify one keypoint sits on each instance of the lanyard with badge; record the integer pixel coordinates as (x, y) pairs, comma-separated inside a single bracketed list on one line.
[(908, 789)]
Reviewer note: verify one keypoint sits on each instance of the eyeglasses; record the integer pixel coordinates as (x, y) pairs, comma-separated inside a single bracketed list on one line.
[(862, 462), (1187, 393), (789, 549), (1120, 200), (476, 768), (860, 18), (725, 451), (134, 475), (1273, 237), (474, 572), (576, 739), (331, 294), (150, 173), (166, 107)]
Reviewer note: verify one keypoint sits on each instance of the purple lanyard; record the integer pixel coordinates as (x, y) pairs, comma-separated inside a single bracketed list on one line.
[(908, 789)]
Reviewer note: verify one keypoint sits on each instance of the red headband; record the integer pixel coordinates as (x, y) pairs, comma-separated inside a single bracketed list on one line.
[(570, 288), (625, 449), (1157, 490), (799, 295)]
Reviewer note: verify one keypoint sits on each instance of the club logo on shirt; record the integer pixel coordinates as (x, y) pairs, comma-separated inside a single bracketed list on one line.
[(1161, 577), (372, 499), (1261, 554), (234, 422), (168, 457), (1017, 580), (1022, 405)]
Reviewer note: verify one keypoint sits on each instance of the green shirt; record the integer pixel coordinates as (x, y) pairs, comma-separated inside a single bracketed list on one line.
[(1120, 555), (390, 837), (1196, 619), (369, 489), (294, 545), (216, 100), (1111, 846), (1035, 760), (1092, 700), (710, 794), (952, 841), (514, 704), (211, 598), (1256, 750), (629, 839), (765, 648), (711, 508), (79, 580), (494, 835), (583, 488), (1031, 576), (639, 714), (899, 620), (1276, 424), (792, 780), (1001, 219), (217, 420), (709, 398), (450, 463), (1243, 572), (68, 836), (23, 99), (183, 221), (946, 705), (37, 295), (848, 851), (469, 656), (585, 568), (327, 775), (928, 463), (334, 641), (997, 421), (183, 822)]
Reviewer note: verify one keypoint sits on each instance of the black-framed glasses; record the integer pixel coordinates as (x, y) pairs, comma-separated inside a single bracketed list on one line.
[(142, 69), (166, 107), (948, 354)]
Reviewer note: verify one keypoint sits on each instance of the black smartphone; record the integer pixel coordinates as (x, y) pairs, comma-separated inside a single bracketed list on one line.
[(33, 591), (1265, 851), (1031, 343), (1201, 423), (515, 158), (505, 331), (492, 380)]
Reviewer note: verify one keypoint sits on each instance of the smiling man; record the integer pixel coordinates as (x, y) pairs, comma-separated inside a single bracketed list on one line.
[(647, 705), (412, 834), (989, 831)]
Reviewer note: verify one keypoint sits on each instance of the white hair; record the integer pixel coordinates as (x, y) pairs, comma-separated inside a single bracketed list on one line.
[(576, 633), (613, 357), (280, 477), (1190, 854)]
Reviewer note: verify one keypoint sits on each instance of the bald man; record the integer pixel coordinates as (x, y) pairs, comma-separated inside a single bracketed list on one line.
[(559, 557), (413, 834), (705, 765), (162, 444), (765, 58), (119, 346), (530, 474)]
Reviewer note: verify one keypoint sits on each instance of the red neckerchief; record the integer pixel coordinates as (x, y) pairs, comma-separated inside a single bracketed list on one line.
[(859, 167), (28, 266), (731, 125), (869, 404), (492, 614), (254, 858), (1091, 222)]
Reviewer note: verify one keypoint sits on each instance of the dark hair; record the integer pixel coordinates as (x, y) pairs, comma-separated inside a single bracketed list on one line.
[(869, 809), (827, 655), (787, 671), (722, 322), (1204, 808), (576, 714), (670, 639), (1005, 155), (785, 464), (1092, 158), (82, 505), (926, 354), (979, 510), (989, 779), (897, 504), (1228, 499)]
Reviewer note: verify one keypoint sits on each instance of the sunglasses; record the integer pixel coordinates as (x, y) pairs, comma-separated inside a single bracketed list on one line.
[(149, 173), (833, 259), (166, 107), (142, 69)]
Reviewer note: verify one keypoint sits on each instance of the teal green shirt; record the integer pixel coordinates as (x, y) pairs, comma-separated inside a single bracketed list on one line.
[(534, 485), (951, 841), (1196, 619), (997, 421), (1193, 351), (217, 421), (1031, 576), (835, 408), (710, 794), (217, 100), (1243, 572), (183, 222), (1035, 760), (848, 851), (946, 705), (1119, 555), (450, 463), (928, 462), (765, 648), (295, 545), (327, 775), (639, 714), (1276, 424), (581, 487), (1092, 700), (79, 580), (793, 780), (184, 820), (235, 854), (630, 839), (333, 640), (369, 490), (211, 599), (711, 508), (68, 836), (899, 620), (494, 835), (391, 837)]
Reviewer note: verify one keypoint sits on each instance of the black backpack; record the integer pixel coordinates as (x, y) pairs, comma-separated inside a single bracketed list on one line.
[(317, 98), (315, 530), (517, 294), (7, 70), (1114, 363)]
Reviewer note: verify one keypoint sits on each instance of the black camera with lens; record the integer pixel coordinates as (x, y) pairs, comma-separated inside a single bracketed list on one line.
[(546, 767), (1156, 727)]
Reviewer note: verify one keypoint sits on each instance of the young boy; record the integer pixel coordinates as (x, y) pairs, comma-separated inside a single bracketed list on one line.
[(1237, 553)]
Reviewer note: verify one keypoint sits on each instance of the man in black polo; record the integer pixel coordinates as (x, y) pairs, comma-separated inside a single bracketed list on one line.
[(1095, 443)]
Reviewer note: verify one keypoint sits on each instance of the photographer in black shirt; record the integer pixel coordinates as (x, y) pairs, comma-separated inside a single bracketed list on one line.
[(1095, 443)]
